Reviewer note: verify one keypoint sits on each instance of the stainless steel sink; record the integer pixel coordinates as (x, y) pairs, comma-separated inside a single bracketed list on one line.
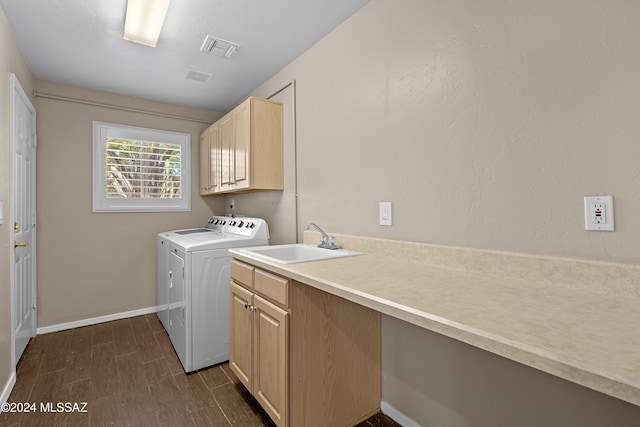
[(294, 253)]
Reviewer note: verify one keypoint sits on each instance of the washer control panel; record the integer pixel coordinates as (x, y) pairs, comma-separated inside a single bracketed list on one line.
[(243, 226)]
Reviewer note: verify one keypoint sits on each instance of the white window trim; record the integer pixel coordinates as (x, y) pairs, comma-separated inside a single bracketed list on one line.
[(102, 130)]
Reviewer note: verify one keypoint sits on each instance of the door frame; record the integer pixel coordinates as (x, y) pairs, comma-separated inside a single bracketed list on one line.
[(16, 88)]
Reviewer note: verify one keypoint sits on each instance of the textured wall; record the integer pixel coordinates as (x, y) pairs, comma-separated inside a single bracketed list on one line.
[(485, 123)]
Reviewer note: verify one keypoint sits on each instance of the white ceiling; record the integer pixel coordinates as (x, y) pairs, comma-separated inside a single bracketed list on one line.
[(80, 42)]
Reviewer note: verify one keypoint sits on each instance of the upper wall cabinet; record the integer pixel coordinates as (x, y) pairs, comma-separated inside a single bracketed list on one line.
[(243, 151)]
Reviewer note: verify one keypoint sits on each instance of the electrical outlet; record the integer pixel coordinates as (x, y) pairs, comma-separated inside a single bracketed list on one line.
[(598, 213), (385, 214)]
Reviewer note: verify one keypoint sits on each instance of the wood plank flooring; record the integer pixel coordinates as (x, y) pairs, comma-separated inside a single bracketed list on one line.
[(129, 375)]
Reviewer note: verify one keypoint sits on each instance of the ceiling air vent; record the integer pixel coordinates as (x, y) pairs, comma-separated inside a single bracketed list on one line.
[(199, 76), (218, 47)]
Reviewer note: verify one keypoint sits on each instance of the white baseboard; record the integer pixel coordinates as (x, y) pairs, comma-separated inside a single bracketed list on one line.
[(95, 320), (397, 416), (6, 391)]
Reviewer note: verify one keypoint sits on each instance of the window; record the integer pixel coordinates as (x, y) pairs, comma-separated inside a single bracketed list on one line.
[(140, 170)]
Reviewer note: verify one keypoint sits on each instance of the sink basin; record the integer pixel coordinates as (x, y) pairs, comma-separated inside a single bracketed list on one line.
[(293, 253)]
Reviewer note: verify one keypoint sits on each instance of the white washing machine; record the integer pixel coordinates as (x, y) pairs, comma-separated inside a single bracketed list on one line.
[(194, 271)]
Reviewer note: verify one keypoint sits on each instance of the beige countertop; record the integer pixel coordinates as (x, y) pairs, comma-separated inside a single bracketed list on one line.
[(590, 337)]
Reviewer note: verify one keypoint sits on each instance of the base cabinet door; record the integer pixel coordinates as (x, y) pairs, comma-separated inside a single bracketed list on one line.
[(270, 359), (241, 335)]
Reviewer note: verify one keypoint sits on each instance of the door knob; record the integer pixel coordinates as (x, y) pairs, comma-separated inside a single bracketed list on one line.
[(20, 244)]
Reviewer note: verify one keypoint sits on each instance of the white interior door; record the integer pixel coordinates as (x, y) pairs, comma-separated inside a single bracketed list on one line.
[(23, 217)]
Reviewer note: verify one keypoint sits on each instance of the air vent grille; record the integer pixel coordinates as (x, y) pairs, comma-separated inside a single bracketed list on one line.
[(218, 47), (199, 76)]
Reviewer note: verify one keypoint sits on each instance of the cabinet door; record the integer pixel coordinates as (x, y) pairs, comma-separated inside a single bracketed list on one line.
[(271, 359), (205, 162), (242, 145), (227, 132), (241, 334), (215, 159)]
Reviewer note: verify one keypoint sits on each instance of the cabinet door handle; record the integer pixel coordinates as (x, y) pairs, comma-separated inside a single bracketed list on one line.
[(252, 308), (246, 305), (19, 244)]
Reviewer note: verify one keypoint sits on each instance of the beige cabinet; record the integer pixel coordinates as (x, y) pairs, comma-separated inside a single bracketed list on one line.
[(259, 338), (204, 162), (248, 152), (315, 357), (241, 332), (270, 359), (208, 154)]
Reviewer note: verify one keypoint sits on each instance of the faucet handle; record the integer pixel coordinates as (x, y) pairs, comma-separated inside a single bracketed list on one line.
[(328, 242), (332, 243)]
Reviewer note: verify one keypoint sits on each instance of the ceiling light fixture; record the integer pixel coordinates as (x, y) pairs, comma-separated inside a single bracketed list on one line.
[(144, 21)]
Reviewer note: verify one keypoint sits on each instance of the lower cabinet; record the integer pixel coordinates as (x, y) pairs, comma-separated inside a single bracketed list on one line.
[(241, 335), (270, 361), (308, 357), (258, 353)]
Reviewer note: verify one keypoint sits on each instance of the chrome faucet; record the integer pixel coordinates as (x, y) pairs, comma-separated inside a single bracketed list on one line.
[(326, 241)]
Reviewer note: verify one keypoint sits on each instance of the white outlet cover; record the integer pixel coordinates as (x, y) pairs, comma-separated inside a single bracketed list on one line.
[(598, 213)]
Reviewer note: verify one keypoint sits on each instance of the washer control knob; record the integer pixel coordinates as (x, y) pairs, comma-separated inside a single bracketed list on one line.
[(240, 223)]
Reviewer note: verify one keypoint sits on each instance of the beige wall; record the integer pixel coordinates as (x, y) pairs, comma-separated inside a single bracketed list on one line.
[(95, 264), (485, 123), (11, 61)]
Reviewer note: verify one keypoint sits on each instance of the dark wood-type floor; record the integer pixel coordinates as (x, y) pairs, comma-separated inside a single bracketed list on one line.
[(129, 375)]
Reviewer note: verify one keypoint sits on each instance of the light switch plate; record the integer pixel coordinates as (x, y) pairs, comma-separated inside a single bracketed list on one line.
[(598, 213)]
